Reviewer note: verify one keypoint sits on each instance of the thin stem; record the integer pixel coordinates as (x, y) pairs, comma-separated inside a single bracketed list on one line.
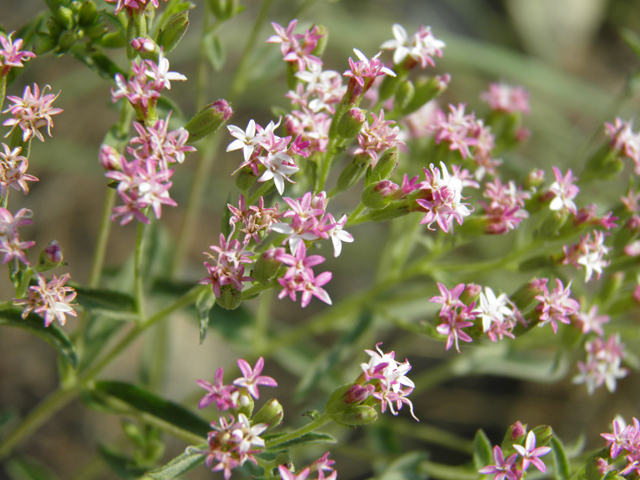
[(240, 80), (103, 239), (58, 399), (310, 427), (262, 320), (137, 270)]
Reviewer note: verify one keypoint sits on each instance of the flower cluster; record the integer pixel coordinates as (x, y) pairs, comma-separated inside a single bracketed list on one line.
[(10, 54), (235, 439), (441, 196), (624, 141), (51, 300), (384, 379), (421, 48), (364, 72), (143, 182), (562, 192), (377, 137), (505, 209), (143, 87), (322, 465), (624, 440), (31, 112), (133, 5), (266, 153), (588, 253), (256, 221), (13, 171), (555, 305), (507, 98), (514, 466), (11, 247), (297, 48), (603, 365), (228, 267)]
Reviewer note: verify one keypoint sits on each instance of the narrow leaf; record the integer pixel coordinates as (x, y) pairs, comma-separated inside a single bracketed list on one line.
[(560, 459), (27, 468), (205, 302), (179, 465), (160, 408), (482, 450), (306, 439), (214, 51), (35, 325), (107, 302)]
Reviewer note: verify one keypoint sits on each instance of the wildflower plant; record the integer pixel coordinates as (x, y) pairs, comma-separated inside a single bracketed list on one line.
[(374, 144)]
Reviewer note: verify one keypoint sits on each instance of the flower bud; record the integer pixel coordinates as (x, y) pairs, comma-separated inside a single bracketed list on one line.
[(527, 293), (50, 257), (358, 393), (353, 172), (230, 297), (208, 120), (266, 267), (543, 434), (534, 179), (604, 164), (378, 195), (355, 416), (271, 413), (64, 16), (110, 158), (471, 293), (404, 94), (322, 41), (66, 40), (350, 124), (146, 47), (426, 90), (177, 26), (386, 165), (515, 434), (554, 221), (87, 14), (245, 179)]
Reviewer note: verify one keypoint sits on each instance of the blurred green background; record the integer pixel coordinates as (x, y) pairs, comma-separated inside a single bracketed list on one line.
[(568, 53)]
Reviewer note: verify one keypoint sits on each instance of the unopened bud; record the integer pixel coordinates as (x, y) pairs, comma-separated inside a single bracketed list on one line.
[(355, 416), (358, 393), (554, 221), (224, 9), (471, 293), (88, 14), (404, 94), (378, 195), (425, 91), (322, 41), (64, 15), (245, 179), (208, 120), (387, 163), (350, 124), (534, 179), (177, 26), (543, 434), (271, 413), (50, 257), (110, 158), (604, 164), (526, 294), (245, 403), (230, 297), (267, 266), (146, 47)]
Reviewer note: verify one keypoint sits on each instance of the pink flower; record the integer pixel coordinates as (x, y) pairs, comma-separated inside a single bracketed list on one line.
[(31, 112), (131, 5), (377, 137), (507, 98), (502, 467), (10, 245), (421, 47), (287, 474), (531, 454), (251, 377), (565, 191), (297, 48), (591, 321), (225, 396), (13, 168), (365, 68), (454, 323), (556, 305), (11, 55), (51, 300)]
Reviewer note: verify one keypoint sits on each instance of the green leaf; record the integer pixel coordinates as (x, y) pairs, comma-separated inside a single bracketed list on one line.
[(179, 465), (174, 7), (35, 325), (27, 468), (122, 465), (164, 413), (205, 302), (560, 459), (482, 450), (214, 51), (405, 467), (108, 303), (306, 439)]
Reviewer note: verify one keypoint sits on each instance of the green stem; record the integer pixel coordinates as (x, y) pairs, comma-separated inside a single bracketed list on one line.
[(137, 270), (262, 320), (262, 190), (103, 239), (240, 80), (58, 399), (356, 212), (310, 427)]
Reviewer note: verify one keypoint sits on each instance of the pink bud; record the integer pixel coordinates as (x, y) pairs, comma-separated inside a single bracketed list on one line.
[(53, 252), (143, 44), (110, 158)]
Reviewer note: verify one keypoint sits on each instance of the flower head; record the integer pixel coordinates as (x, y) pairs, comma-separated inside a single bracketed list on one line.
[(251, 377), (31, 112)]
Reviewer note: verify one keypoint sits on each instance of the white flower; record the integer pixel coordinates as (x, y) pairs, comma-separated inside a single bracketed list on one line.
[(492, 309), (338, 235), (163, 74), (246, 140), (277, 170)]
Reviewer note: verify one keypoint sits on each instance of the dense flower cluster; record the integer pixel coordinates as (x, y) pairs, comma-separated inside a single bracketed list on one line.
[(31, 112), (385, 379), (51, 300), (603, 365), (624, 440), (377, 137), (588, 253), (143, 182), (514, 466), (505, 209)]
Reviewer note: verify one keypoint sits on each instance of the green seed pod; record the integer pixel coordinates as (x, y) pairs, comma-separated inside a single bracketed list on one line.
[(64, 16), (352, 172), (174, 31), (271, 413), (208, 120), (404, 94), (350, 124), (379, 195), (355, 416), (266, 267), (387, 163), (245, 179), (230, 297), (66, 41)]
